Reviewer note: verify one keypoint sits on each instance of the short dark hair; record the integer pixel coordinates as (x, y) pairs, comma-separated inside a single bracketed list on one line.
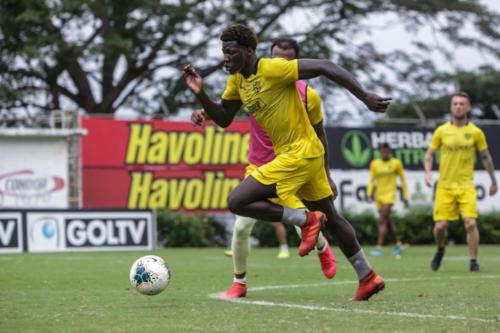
[(240, 34), (285, 44), (384, 145), (461, 94)]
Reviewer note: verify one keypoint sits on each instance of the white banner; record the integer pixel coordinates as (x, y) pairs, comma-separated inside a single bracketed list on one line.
[(54, 231), (352, 190), (33, 172)]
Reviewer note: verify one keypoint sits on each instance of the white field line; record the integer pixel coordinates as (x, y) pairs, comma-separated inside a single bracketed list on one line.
[(466, 258), (354, 310), (320, 284)]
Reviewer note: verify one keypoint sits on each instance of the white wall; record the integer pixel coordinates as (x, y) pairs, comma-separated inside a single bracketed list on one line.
[(33, 172)]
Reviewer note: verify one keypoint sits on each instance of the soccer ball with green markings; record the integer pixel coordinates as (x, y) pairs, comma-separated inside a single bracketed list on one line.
[(150, 275)]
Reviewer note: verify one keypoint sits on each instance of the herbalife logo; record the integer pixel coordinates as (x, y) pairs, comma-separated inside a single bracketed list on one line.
[(356, 148)]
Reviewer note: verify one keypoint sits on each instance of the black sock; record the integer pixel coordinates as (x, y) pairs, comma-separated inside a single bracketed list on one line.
[(441, 250), (473, 261)]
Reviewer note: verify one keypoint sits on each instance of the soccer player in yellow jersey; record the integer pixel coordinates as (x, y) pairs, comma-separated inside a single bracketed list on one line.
[(260, 152), (266, 87), (383, 174), (457, 140)]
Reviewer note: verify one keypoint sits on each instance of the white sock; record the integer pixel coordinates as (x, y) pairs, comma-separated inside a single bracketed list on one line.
[(321, 244), (284, 248), (294, 216), (240, 243), (243, 280), (360, 264)]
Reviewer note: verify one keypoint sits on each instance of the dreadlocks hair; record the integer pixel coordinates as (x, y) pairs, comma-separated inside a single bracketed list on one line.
[(285, 44), (240, 34)]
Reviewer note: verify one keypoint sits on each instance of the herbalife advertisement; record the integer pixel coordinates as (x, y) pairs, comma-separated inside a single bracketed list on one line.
[(352, 150)]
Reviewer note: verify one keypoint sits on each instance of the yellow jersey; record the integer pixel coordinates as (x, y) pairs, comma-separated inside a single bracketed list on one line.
[(272, 97), (457, 147), (383, 174)]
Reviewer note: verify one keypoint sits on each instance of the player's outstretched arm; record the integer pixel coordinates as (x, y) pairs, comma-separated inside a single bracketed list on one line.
[(371, 183), (310, 68), (222, 114), (404, 184), (490, 167), (428, 160)]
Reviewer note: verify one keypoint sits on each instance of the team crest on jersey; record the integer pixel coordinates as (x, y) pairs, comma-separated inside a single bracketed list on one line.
[(256, 87), (255, 106), (467, 136)]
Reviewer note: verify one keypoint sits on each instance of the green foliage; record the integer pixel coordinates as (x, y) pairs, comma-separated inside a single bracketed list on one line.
[(489, 228), (482, 86), (414, 227), (432, 108), (181, 230), (365, 224), (266, 235)]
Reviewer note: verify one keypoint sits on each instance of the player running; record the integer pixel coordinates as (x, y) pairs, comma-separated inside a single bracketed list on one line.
[(266, 87), (261, 152), (457, 140), (383, 174)]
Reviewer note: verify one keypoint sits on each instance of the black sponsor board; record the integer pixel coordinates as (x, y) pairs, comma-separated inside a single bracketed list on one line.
[(11, 228), (354, 148), (62, 230)]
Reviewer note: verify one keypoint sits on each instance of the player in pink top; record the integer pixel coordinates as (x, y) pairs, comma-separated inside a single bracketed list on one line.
[(261, 152)]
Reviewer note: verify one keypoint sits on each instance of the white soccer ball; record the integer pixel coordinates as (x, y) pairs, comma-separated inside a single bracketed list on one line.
[(150, 275)]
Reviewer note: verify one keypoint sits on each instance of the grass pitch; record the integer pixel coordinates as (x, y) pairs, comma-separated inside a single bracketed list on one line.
[(90, 292)]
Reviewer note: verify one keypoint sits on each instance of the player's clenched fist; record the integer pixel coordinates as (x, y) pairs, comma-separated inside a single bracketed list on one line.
[(198, 117)]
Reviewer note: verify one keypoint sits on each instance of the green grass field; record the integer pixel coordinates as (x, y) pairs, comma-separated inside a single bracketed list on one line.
[(90, 292)]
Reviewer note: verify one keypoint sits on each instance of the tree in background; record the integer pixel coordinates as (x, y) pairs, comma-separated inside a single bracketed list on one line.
[(483, 86), (103, 55)]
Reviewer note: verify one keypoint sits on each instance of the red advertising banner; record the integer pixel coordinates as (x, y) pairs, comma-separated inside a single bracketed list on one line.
[(161, 164)]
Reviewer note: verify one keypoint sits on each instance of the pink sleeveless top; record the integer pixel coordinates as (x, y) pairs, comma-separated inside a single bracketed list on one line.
[(261, 149)]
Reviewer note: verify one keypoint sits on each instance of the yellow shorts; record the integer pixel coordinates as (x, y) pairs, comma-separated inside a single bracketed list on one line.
[(449, 201), (384, 199), (303, 177), (292, 202)]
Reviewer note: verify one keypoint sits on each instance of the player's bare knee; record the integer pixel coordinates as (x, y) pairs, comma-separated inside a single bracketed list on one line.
[(470, 225), (440, 226)]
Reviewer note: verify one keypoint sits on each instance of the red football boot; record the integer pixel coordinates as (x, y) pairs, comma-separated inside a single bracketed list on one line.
[(310, 231), (369, 286), (236, 290), (328, 262)]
